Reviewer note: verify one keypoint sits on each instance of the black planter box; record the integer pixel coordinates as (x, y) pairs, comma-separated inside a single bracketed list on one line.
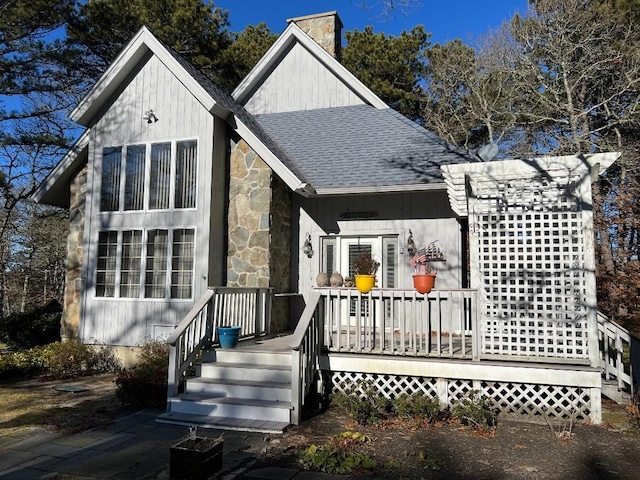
[(199, 459)]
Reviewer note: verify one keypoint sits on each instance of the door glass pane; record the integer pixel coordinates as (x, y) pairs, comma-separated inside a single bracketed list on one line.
[(110, 189), (134, 178), (106, 271), (354, 252), (130, 263), (186, 166), (160, 176), (155, 279)]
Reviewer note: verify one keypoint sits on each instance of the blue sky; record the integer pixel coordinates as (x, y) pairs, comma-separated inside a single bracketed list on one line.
[(446, 20)]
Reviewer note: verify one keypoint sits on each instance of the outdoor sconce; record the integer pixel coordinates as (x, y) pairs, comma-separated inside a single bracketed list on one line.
[(307, 248), (150, 117), (411, 246)]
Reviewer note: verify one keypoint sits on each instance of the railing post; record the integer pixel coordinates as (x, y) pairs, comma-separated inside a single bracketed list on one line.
[(172, 380), (296, 387), (476, 326)]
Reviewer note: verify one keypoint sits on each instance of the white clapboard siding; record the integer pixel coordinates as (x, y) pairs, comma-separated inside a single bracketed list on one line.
[(301, 82), (180, 117)]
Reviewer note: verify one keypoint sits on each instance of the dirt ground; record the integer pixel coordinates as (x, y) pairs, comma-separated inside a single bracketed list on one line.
[(518, 450)]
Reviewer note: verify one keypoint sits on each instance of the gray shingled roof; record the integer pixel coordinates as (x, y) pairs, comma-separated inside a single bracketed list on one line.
[(344, 147), (359, 146)]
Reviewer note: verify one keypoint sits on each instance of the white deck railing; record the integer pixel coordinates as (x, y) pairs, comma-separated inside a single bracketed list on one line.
[(617, 355), (401, 322), (248, 307), (306, 346)]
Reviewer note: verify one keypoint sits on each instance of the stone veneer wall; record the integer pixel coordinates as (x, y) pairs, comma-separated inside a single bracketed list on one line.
[(73, 278), (259, 229)]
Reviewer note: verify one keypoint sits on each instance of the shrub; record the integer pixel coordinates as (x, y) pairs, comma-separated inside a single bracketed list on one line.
[(59, 360), (145, 385), (368, 408), (417, 406), (36, 327), (22, 364), (475, 411)]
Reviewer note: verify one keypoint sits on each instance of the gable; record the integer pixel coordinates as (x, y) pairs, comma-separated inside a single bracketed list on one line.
[(301, 82), (298, 74)]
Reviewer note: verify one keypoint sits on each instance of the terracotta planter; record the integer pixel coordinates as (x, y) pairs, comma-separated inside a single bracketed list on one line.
[(424, 282), (228, 336), (198, 459), (364, 283)]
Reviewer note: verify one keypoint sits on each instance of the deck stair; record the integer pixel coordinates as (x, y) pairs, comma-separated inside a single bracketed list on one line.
[(246, 388)]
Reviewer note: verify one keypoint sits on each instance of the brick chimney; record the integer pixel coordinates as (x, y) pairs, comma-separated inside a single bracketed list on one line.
[(324, 28)]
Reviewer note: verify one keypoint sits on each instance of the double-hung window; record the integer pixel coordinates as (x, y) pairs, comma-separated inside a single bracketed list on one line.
[(156, 176), (152, 263)]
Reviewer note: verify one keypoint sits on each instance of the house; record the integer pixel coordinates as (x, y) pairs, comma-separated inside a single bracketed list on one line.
[(190, 208)]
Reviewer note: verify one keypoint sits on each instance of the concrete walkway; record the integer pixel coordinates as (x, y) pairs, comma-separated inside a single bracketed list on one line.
[(133, 447)]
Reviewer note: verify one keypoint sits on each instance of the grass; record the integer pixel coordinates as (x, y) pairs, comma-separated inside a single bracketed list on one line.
[(36, 404)]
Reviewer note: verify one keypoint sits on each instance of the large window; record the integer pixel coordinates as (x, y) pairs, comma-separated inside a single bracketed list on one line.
[(155, 263), (158, 176)]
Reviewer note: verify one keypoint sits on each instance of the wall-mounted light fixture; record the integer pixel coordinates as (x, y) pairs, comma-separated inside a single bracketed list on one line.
[(150, 117), (307, 248), (411, 246)]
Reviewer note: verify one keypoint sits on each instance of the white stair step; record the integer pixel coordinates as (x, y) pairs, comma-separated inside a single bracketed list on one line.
[(254, 356), (222, 423), (245, 371), (231, 407), (273, 391)]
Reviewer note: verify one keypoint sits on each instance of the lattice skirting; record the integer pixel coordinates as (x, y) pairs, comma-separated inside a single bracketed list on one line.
[(553, 401)]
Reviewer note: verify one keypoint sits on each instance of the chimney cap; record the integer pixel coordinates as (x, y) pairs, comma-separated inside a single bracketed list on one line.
[(333, 13)]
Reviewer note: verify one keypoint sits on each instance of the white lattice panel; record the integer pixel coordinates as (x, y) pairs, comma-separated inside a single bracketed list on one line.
[(531, 261), (389, 386), (552, 401), (548, 400)]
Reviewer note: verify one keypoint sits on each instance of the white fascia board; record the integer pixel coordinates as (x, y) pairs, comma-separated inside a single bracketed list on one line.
[(279, 168), (143, 44), (61, 173), (501, 168), (421, 187), (273, 56)]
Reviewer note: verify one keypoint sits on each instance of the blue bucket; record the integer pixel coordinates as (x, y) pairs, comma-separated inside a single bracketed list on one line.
[(228, 336)]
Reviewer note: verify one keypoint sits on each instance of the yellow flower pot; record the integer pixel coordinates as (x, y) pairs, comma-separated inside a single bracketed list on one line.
[(364, 283)]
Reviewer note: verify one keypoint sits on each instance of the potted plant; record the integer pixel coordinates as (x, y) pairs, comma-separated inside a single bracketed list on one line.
[(228, 335), (365, 268), (424, 277), (195, 457)]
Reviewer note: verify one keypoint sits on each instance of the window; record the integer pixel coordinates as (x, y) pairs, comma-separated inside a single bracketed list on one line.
[(165, 256), (156, 176), (155, 280), (130, 262), (107, 258), (111, 165), (182, 263)]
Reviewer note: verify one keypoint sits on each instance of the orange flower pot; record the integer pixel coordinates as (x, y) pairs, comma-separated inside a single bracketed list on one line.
[(423, 283)]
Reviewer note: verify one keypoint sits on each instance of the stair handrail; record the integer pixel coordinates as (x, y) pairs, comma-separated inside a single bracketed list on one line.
[(306, 345), (192, 334), (248, 307), (614, 364)]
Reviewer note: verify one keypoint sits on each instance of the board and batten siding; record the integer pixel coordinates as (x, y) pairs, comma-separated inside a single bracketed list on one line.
[(129, 322), (427, 214), (300, 82)]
